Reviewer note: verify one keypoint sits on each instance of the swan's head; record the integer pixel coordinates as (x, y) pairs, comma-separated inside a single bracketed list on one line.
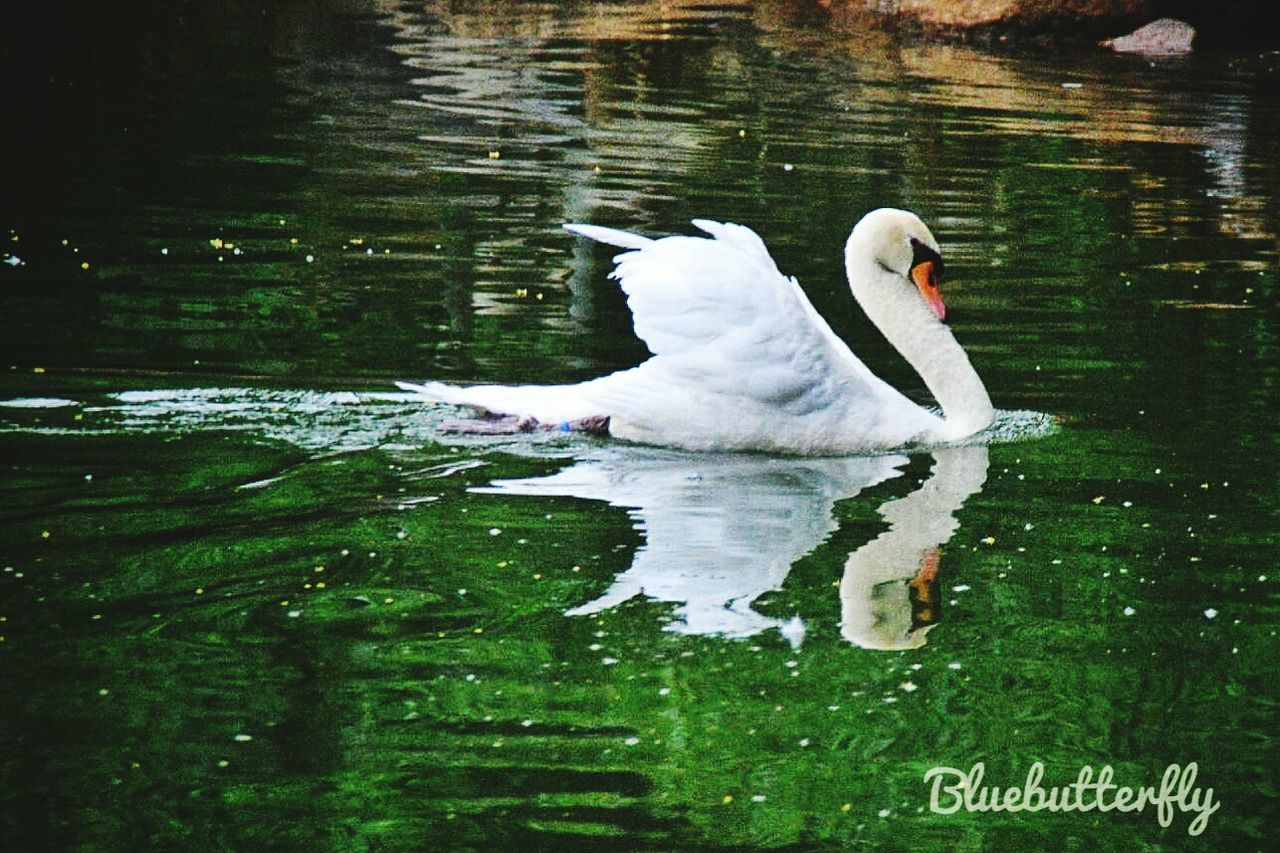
[(904, 260)]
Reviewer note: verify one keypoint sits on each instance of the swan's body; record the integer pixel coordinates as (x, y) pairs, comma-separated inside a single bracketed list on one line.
[(742, 361)]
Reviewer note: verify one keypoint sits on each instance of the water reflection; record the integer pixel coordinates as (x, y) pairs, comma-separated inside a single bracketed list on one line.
[(889, 592), (721, 531)]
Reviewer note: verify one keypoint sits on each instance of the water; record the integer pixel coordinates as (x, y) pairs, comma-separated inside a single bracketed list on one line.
[(254, 596)]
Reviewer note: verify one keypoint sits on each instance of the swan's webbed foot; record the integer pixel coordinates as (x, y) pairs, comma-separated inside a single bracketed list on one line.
[(488, 424), (598, 424), (491, 424)]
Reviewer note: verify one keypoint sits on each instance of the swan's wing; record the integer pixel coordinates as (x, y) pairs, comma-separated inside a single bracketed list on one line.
[(719, 316)]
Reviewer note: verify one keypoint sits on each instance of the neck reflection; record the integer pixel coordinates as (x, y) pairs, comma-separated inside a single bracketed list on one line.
[(889, 594)]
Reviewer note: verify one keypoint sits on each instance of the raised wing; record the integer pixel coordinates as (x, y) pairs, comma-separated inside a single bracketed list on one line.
[(719, 317)]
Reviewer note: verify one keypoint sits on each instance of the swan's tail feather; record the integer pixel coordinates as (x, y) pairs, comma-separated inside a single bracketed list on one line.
[(439, 392), (611, 236), (548, 404)]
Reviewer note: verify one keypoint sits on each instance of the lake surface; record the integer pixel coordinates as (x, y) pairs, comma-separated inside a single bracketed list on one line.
[(252, 596)]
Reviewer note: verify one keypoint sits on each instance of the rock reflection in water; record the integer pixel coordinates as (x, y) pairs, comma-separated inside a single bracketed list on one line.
[(722, 530)]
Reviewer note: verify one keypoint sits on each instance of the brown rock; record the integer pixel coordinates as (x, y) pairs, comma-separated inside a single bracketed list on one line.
[(1165, 36), (968, 14)]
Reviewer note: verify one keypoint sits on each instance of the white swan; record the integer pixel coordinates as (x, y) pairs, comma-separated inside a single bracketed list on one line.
[(742, 361)]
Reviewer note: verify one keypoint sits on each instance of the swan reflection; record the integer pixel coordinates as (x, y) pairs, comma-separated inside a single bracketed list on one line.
[(722, 530)]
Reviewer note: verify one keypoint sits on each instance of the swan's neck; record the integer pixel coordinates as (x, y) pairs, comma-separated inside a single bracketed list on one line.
[(927, 345)]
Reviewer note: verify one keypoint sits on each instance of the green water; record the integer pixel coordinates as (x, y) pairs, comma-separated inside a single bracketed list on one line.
[(252, 597)]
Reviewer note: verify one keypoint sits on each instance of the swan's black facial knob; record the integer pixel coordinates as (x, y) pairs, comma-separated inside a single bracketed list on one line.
[(926, 272), (921, 253)]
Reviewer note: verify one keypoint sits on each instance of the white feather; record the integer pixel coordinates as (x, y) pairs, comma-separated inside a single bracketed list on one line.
[(610, 236)]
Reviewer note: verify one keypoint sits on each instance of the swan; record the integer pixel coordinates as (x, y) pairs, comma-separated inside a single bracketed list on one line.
[(742, 361)]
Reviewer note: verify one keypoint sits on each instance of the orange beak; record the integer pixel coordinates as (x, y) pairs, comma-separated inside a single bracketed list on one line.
[(926, 278)]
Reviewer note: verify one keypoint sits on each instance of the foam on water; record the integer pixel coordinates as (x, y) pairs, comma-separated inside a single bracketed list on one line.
[(1020, 425), (318, 421), (37, 403), (339, 421)]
